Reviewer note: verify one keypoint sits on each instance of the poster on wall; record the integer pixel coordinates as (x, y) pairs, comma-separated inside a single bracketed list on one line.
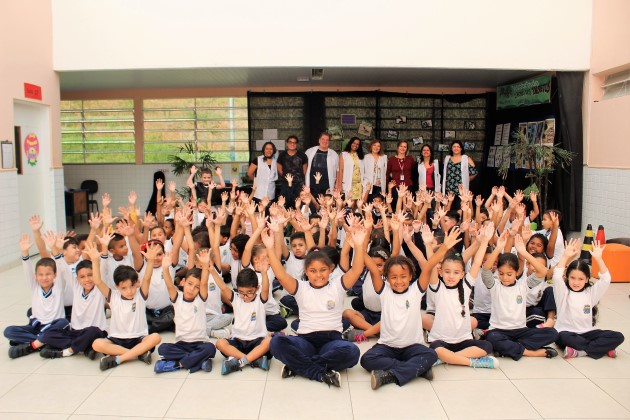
[(528, 92), (498, 157), (505, 138), (550, 132), (498, 131), (31, 148), (7, 154), (522, 131), (365, 129), (491, 154), (531, 132)]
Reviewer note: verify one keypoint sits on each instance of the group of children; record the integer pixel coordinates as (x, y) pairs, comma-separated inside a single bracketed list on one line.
[(488, 284)]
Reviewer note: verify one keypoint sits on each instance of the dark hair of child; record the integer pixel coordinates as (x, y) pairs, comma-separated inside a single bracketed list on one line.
[(317, 234), (194, 272), (380, 242), (455, 257), (508, 259), (541, 237), (379, 252), (202, 239), (200, 229), (558, 212), (452, 214), (318, 254), (239, 242), (580, 266), (83, 264), (115, 239), (247, 278), (539, 255), (314, 216), (68, 240), (401, 261), (296, 236), (124, 273), (81, 237), (156, 228), (225, 231), (46, 262), (170, 222), (206, 171), (332, 253)]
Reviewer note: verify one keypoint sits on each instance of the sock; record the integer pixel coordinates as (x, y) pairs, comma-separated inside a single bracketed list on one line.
[(117, 360), (33, 345), (581, 353), (243, 362), (67, 352)]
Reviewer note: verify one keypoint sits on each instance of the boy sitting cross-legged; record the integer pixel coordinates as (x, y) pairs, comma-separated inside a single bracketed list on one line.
[(46, 302), (249, 344), (128, 332), (192, 350)]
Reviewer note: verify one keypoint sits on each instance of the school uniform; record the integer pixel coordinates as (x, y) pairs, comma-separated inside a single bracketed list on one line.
[(109, 265), (88, 322), (47, 309), (399, 349), (275, 321), (575, 317), (451, 329), (191, 347), (482, 304), (558, 249), (540, 301), (215, 318), (371, 301), (508, 333), (68, 272), (159, 308), (128, 323), (318, 346), (249, 328)]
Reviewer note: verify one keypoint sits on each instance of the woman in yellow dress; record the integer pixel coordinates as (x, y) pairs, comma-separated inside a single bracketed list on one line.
[(351, 169)]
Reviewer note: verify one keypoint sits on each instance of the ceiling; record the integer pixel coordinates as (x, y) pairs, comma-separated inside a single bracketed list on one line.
[(286, 77)]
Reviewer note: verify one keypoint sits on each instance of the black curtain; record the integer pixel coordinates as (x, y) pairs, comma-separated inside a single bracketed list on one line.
[(569, 183)]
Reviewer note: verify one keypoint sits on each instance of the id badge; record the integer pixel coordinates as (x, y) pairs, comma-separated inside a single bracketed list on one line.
[(402, 177)]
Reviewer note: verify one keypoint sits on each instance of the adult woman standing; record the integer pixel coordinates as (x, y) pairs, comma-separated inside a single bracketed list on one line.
[(458, 169), (428, 170), (375, 169), (351, 169), (400, 167), (263, 170)]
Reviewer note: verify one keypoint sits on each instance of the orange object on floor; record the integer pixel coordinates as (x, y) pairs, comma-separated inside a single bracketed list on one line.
[(617, 259)]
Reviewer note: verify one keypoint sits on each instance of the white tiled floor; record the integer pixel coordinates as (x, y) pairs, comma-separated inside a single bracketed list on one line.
[(75, 388)]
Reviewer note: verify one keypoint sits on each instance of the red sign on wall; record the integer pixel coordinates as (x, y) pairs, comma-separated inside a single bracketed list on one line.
[(32, 91)]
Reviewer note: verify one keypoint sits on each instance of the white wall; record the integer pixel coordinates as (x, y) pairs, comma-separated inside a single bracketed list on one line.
[(607, 201), (492, 34), (9, 219)]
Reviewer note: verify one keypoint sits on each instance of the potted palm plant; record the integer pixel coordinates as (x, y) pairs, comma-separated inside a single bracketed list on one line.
[(188, 155)]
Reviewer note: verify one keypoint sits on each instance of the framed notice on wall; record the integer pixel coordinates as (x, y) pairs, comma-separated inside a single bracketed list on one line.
[(7, 155)]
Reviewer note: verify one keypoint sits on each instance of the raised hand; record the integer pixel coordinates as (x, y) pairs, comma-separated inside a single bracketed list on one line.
[(487, 232), (106, 200), (159, 184), (151, 253), (597, 250), (95, 221), (166, 261), (318, 177), (92, 252), (289, 178), (49, 239), (281, 201), (518, 196), (519, 244), (25, 243), (193, 170), (132, 198), (105, 240), (35, 222), (532, 196), (172, 186), (555, 219), (572, 249), (218, 171), (267, 238), (358, 235), (502, 240), (452, 238)]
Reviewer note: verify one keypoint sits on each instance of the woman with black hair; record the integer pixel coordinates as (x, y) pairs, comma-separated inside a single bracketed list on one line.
[(458, 169), (351, 169), (263, 170)]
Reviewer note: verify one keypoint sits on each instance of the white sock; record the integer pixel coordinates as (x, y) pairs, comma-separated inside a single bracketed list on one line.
[(67, 352), (581, 353)]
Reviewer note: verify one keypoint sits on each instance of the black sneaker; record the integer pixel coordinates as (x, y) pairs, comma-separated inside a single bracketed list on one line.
[(90, 353), (287, 372), (20, 350), (230, 365), (145, 357), (428, 375), (551, 353), (382, 377), (332, 377), (51, 353), (206, 366), (261, 363), (108, 362)]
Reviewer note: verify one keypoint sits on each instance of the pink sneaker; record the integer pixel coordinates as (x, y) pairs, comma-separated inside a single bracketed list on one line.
[(612, 354), (570, 352)]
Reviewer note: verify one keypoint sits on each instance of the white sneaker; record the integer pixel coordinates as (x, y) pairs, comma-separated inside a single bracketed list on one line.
[(221, 333)]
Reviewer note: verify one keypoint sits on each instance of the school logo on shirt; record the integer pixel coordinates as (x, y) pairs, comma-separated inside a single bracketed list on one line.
[(330, 305), (519, 299), (253, 317), (407, 304), (211, 287), (133, 307), (195, 310), (587, 309)]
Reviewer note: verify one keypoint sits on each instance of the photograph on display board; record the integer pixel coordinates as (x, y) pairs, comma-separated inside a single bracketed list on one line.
[(531, 132), (442, 147), (491, 154), (427, 124), (505, 138), (391, 135), (449, 134), (522, 130), (498, 156), (550, 132), (470, 125), (540, 131), (506, 156), (498, 132), (469, 146)]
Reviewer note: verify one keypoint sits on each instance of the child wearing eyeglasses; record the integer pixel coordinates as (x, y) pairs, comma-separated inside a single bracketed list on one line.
[(249, 344)]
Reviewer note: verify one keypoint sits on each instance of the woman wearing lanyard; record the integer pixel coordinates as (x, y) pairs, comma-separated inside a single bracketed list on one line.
[(263, 170), (399, 168), (375, 167)]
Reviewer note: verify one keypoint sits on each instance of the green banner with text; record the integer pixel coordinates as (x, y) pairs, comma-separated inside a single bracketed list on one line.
[(528, 92)]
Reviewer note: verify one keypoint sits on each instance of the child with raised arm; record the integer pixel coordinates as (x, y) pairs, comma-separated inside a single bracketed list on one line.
[(450, 333), (575, 298), (399, 356), (249, 344), (191, 350), (318, 352), (46, 304), (508, 332), (88, 319), (128, 333)]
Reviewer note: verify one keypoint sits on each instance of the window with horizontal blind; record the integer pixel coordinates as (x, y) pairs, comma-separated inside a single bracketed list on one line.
[(97, 131), (218, 125)]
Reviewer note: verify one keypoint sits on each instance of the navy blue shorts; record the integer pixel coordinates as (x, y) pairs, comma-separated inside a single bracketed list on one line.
[(455, 347), (246, 346), (127, 343), (371, 317)]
